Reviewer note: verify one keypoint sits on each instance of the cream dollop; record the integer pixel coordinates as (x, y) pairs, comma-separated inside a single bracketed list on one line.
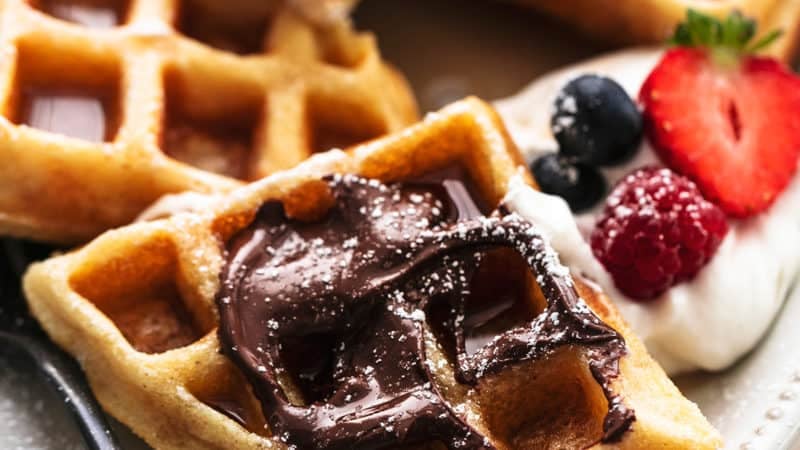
[(707, 323)]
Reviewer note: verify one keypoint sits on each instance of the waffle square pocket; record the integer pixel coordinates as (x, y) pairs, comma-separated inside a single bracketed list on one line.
[(376, 297), (108, 105)]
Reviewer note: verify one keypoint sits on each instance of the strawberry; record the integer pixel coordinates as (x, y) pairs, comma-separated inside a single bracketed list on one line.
[(725, 118)]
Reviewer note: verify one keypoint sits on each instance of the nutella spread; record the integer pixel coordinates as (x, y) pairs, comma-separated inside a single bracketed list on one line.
[(338, 310)]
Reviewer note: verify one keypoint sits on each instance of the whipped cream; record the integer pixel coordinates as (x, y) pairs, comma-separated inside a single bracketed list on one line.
[(707, 323)]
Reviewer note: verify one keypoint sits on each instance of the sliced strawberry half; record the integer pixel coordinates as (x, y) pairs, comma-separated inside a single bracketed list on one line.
[(728, 120)]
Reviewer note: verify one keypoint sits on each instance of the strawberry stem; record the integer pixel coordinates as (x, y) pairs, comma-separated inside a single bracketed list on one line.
[(727, 38), (725, 58)]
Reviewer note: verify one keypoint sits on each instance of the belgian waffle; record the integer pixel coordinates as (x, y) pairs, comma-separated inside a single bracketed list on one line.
[(137, 308), (653, 21), (109, 104)]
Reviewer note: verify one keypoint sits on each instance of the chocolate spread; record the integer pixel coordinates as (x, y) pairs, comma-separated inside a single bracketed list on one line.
[(337, 310)]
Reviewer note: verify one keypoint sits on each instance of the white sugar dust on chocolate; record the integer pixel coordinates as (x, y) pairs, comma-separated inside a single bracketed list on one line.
[(341, 307)]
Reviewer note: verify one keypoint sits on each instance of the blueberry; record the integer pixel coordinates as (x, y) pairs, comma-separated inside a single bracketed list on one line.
[(596, 122), (581, 185)]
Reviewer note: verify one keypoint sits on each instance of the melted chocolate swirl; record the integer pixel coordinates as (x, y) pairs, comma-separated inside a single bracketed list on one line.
[(336, 309)]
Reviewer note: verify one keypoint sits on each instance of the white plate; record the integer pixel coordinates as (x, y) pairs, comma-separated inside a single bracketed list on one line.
[(448, 49), (756, 404)]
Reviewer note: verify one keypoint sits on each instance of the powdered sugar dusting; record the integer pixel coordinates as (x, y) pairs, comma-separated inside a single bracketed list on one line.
[(411, 254)]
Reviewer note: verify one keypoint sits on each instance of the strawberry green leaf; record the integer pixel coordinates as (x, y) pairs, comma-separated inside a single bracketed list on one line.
[(765, 41), (731, 35), (737, 30)]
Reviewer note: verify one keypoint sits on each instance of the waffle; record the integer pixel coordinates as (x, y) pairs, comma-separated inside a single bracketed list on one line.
[(324, 11), (653, 21), (136, 308), (107, 105)]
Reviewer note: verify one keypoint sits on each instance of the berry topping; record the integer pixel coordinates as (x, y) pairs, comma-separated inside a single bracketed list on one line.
[(728, 120), (656, 231), (596, 122), (582, 186)]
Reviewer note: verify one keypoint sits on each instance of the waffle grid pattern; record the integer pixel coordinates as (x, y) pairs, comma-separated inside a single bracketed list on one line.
[(136, 308), (177, 107)]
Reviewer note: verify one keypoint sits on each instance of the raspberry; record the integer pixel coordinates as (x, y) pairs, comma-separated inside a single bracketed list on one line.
[(656, 231)]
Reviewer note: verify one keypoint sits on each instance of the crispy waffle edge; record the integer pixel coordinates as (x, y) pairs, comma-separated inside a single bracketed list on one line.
[(157, 394)]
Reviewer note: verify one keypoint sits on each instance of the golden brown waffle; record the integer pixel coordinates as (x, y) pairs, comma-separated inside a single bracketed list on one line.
[(136, 308), (324, 11), (181, 95), (653, 21)]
